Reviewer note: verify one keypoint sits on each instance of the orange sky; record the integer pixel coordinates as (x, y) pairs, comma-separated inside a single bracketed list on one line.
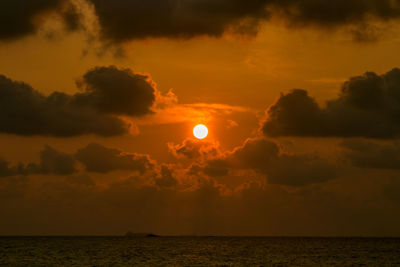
[(243, 178)]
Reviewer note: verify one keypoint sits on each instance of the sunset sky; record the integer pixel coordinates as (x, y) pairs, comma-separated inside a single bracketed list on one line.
[(99, 98)]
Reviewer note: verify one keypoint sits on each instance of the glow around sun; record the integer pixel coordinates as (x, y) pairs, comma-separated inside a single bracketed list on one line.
[(200, 131)]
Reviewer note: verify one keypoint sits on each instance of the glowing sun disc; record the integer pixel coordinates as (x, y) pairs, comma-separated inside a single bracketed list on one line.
[(200, 131)]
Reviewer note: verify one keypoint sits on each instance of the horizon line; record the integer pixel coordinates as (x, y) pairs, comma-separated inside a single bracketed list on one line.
[(141, 235)]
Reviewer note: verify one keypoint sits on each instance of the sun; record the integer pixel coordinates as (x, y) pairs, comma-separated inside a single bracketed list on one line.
[(200, 131)]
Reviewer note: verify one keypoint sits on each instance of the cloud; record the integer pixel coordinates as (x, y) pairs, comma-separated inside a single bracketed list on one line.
[(94, 157), (195, 150), (167, 199), (112, 207), (107, 93), (366, 154), (216, 168), (117, 91), (335, 13), (122, 20), (25, 111), (257, 155), (266, 157), (72, 16), (301, 170), (6, 170), (19, 18), (368, 106), (166, 179), (100, 159), (52, 162)]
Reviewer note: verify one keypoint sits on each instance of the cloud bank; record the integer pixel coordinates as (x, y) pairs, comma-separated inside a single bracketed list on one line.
[(97, 158), (371, 155), (19, 18), (261, 156), (107, 93), (367, 106), (93, 206), (124, 20), (52, 162)]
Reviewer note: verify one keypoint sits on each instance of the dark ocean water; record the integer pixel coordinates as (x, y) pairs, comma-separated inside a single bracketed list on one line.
[(198, 251)]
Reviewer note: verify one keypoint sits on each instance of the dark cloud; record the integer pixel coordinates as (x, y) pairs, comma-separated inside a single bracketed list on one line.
[(166, 179), (167, 201), (335, 13), (294, 114), (300, 170), (117, 91), (366, 154), (52, 162), (97, 158), (6, 170), (216, 168), (194, 150), (107, 92), (123, 20), (72, 17), (114, 206), (94, 157), (368, 106), (25, 111), (265, 158), (19, 18), (255, 154)]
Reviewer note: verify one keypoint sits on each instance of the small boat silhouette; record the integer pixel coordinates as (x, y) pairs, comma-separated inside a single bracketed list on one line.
[(130, 234)]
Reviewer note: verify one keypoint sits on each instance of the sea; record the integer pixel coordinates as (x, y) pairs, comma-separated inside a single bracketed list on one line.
[(198, 251)]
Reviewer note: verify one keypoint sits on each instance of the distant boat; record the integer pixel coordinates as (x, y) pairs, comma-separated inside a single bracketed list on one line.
[(130, 234)]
